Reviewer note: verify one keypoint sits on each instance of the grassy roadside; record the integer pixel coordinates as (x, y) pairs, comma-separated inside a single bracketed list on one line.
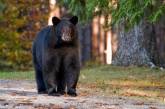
[(125, 81), (17, 75), (112, 80)]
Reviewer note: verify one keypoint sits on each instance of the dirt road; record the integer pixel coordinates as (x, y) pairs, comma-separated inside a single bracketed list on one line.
[(22, 95)]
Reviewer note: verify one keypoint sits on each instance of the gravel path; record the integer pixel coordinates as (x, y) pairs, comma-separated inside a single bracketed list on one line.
[(22, 95)]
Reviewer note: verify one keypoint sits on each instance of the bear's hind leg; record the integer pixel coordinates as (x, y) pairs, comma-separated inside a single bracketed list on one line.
[(41, 88)]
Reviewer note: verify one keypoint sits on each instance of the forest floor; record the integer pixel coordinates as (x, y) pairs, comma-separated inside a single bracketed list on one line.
[(100, 87)]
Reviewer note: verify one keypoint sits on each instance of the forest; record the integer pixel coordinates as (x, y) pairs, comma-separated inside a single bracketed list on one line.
[(126, 32)]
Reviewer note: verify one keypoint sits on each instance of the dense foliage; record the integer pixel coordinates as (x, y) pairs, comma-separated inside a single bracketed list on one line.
[(131, 11), (19, 22)]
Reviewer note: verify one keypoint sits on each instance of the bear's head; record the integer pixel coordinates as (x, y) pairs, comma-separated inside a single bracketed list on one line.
[(65, 29)]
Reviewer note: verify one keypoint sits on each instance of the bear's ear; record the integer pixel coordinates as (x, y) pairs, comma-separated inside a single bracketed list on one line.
[(74, 20), (55, 20)]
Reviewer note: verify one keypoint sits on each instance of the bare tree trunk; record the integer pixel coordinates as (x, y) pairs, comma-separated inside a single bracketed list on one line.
[(95, 31), (131, 47), (160, 42), (142, 45), (101, 40), (108, 47), (85, 41), (54, 10)]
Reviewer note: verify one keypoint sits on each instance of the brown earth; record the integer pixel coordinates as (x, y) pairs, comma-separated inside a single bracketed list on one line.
[(18, 94)]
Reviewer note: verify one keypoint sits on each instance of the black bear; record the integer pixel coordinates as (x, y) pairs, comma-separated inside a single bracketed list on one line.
[(56, 57)]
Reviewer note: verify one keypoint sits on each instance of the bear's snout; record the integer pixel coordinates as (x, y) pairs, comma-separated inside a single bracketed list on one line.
[(66, 34), (66, 37)]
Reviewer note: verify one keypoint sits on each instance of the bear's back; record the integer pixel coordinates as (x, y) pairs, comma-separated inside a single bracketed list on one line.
[(39, 44), (41, 36)]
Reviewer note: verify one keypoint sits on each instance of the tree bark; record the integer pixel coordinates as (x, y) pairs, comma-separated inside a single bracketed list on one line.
[(144, 44), (95, 43), (131, 47), (160, 42)]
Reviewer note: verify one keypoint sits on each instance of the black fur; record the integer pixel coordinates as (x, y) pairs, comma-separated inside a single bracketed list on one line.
[(56, 62)]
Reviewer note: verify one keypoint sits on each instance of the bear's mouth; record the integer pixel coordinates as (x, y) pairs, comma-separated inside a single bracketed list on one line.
[(66, 38)]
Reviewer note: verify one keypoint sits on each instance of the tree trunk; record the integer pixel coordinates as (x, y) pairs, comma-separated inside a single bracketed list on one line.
[(108, 50), (131, 47), (84, 33), (160, 42), (95, 43), (142, 45), (54, 10)]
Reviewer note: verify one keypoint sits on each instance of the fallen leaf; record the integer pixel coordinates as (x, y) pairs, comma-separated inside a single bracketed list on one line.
[(153, 108), (139, 103)]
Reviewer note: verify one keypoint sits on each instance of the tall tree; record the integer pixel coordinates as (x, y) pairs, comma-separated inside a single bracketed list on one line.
[(135, 23)]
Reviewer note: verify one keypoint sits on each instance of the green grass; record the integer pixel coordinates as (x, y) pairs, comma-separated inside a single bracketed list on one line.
[(126, 81), (113, 80), (28, 75)]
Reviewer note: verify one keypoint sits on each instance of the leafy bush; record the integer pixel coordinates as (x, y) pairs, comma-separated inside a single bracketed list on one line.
[(19, 22)]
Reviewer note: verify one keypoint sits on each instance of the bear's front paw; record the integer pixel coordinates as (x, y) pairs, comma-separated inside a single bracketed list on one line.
[(72, 92), (54, 94), (61, 92), (42, 92), (51, 91)]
